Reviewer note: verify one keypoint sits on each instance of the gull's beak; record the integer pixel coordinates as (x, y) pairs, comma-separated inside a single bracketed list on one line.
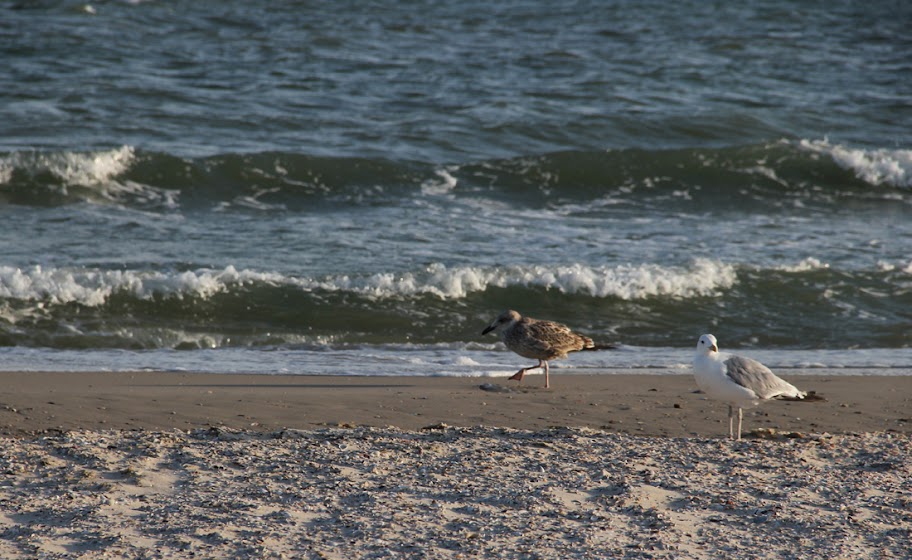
[(488, 329), (714, 348)]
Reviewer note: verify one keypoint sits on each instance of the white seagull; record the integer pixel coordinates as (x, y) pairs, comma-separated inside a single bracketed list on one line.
[(741, 382)]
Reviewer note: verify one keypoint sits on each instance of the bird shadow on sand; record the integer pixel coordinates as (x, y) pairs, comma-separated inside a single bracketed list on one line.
[(497, 388)]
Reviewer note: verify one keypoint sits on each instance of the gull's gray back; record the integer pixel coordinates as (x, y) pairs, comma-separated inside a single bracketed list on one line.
[(758, 378)]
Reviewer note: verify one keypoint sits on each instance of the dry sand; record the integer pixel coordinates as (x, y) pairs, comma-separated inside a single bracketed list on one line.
[(153, 465)]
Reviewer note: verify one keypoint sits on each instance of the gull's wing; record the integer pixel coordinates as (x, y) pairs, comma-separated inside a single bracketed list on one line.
[(758, 378)]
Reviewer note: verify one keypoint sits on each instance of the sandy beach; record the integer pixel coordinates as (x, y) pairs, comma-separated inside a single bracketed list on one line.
[(636, 402), (636, 465)]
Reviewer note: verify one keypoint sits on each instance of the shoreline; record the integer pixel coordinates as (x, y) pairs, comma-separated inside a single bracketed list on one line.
[(634, 402)]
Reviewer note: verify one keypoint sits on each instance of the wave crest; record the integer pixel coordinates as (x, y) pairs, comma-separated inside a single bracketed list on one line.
[(95, 287), (70, 168), (627, 282), (876, 167), (294, 181)]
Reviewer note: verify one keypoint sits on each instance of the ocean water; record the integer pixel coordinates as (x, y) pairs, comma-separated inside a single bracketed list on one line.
[(360, 187)]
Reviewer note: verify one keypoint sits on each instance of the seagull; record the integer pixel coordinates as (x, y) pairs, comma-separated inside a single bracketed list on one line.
[(741, 382), (539, 340)]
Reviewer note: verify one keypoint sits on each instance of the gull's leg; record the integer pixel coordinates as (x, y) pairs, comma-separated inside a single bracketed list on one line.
[(740, 416), (518, 376), (731, 419), (546, 375)]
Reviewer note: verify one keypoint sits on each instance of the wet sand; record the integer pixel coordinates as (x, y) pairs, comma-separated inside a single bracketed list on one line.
[(647, 404)]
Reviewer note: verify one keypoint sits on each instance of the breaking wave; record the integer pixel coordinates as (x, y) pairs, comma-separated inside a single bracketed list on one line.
[(875, 167), (643, 304), (95, 287), (289, 181)]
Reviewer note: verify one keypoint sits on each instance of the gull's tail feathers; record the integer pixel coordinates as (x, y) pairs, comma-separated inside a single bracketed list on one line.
[(809, 396), (593, 346)]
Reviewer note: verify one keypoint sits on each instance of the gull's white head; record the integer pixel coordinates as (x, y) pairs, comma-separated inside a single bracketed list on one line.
[(503, 321), (707, 344)]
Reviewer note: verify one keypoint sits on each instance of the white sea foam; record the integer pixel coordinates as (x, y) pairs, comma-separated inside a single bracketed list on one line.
[(72, 168), (94, 287), (805, 265), (444, 183), (877, 167), (886, 266), (629, 282), (99, 171), (6, 170)]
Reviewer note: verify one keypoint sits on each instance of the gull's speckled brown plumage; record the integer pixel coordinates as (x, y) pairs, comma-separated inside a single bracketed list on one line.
[(536, 339)]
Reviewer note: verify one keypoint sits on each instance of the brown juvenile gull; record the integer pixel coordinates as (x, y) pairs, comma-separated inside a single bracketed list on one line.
[(741, 382), (539, 340)]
